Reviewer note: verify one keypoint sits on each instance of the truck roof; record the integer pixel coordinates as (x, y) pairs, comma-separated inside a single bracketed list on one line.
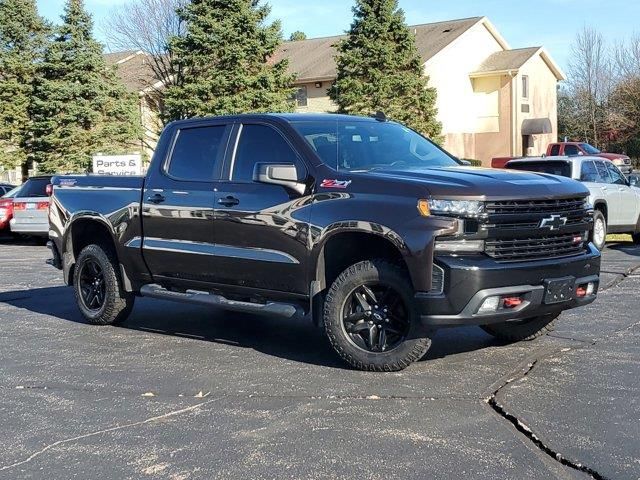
[(287, 117)]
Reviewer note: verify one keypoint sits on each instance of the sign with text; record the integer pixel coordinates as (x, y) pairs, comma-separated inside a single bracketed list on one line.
[(117, 164)]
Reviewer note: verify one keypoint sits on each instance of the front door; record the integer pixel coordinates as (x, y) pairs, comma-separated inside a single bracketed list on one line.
[(178, 207), (610, 193), (261, 230), (627, 198)]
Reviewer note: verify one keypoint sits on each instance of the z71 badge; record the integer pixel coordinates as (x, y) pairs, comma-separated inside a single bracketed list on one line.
[(326, 183)]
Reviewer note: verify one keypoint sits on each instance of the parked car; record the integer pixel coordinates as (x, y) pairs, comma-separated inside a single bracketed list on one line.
[(364, 226), (31, 208), (615, 198), (571, 149), (5, 188), (6, 209)]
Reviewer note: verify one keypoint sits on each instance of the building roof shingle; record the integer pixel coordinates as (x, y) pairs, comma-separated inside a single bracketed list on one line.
[(313, 59), (507, 60), (134, 69)]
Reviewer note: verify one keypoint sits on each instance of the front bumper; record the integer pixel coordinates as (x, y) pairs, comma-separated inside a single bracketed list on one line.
[(469, 280)]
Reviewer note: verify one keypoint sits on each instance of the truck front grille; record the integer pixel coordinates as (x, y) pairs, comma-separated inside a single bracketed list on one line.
[(550, 246), (517, 231)]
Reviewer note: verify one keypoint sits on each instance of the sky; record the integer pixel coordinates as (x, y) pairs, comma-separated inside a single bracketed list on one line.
[(524, 23)]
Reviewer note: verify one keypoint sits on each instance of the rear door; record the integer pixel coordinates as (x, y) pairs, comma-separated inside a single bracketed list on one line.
[(177, 206), (261, 230)]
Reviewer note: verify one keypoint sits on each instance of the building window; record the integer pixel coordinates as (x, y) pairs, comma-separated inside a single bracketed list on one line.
[(301, 97), (525, 86)]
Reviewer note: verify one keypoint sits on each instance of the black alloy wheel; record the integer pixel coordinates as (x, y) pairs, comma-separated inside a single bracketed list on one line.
[(92, 285), (375, 318)]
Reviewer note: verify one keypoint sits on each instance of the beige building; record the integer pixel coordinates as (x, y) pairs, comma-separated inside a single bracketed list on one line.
[(493, 101)]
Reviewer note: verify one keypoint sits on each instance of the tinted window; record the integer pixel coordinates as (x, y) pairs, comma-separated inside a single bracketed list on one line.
[(589, 149), (196, 153), (571, 150), (616, 176), (555, 150), (260, 144), (562, 169), (35, 187), (371, 145), (588, 172), (12, 193), (603, 175)]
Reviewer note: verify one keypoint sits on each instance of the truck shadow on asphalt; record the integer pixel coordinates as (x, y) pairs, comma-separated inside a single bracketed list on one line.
[(284, 338)]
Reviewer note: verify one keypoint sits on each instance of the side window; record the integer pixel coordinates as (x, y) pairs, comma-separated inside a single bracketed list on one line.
[(588, 172), (196, 152), (603, 175), (260, 144), (555, 150), (616, 176), (571, 150)]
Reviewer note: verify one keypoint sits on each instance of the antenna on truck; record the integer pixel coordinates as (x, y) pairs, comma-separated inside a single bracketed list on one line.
[(380, 116)]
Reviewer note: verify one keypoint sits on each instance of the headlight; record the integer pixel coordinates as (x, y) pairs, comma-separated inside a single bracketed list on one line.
[(468, 208)]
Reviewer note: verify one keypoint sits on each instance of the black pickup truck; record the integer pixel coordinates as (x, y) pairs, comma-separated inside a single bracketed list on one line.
[(360, 224)]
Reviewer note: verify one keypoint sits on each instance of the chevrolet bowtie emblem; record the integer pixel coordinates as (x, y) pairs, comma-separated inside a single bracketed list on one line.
[(554, 222)]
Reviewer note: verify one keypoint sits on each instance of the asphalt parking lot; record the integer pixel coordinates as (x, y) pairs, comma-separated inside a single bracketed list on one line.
[(183, 392)]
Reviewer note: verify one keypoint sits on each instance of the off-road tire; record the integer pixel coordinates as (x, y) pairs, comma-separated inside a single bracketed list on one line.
[(528, 329), (410, 350), (599, 216), (117, 304)]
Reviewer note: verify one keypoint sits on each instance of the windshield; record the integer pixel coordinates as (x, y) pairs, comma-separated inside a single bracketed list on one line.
[(589, 149), (562, 169), (360, 145)]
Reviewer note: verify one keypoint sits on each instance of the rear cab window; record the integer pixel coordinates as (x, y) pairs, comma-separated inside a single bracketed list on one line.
[(562, 169)]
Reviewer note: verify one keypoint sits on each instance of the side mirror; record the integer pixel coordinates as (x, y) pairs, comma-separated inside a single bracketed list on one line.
[(286, 175), (633, 180), (466, 163)]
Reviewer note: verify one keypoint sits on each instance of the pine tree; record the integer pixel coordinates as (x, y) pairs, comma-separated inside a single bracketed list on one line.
[(224, 61), (80, 107), (380, 69), (297, 36), (22, 36)]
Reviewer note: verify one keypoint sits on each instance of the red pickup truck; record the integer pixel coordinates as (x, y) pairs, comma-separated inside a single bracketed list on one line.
[(570, 149)]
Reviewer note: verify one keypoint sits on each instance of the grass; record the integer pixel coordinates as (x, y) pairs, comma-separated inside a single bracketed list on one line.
[(619, 238)]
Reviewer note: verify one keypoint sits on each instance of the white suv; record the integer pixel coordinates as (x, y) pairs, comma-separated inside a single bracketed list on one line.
[(615, 198)]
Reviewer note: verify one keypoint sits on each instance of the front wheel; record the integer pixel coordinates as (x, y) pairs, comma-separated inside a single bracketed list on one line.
[(370, 319), (518, 330), (599, 234), (98, 287)]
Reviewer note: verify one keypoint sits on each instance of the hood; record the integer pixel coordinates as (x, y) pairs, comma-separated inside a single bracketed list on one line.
[(488, 183), (613, 156)]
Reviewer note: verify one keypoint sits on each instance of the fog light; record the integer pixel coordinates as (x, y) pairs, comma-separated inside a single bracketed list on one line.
[(591, 288), (490, 305), (512, 302)]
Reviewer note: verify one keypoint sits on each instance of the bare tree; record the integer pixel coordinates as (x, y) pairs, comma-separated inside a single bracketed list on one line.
[(591, 80), (147, 25)]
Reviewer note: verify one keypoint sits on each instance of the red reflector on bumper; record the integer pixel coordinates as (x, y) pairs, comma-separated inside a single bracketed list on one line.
[(581, 292), (511, 302)]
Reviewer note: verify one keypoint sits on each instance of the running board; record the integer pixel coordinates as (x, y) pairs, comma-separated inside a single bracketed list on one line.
[(203, 298)]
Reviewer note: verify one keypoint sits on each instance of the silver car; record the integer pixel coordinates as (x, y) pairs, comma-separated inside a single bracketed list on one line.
[(31, 208), (615, 198)]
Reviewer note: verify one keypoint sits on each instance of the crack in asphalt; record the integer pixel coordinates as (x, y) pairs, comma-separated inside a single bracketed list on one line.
[(521, 427), (106, 430)]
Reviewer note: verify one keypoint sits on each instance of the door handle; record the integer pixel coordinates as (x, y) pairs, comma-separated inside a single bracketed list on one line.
[(157, 198), (229, 201)]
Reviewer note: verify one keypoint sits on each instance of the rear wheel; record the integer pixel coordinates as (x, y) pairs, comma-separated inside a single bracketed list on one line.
[(599, 234), (98, 288), (518, 330), (370, 319)]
